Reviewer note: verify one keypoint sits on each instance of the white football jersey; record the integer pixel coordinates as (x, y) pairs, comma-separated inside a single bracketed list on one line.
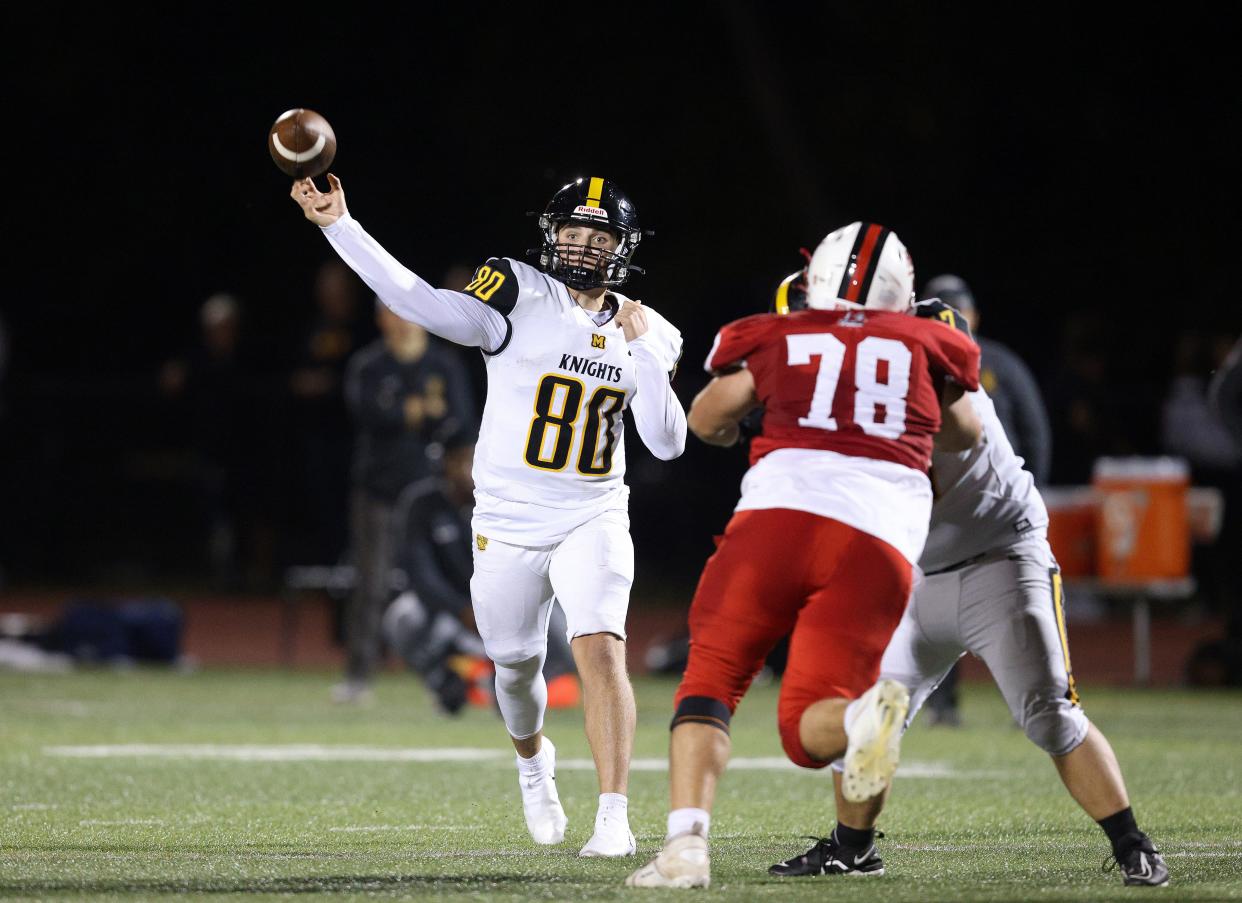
[(987, 500), (551, 454)]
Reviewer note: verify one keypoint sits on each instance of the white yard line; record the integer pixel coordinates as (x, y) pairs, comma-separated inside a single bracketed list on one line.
[(306, 752)]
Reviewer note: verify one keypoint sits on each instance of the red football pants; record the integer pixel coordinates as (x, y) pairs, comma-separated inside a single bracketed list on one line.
[(839, 590)]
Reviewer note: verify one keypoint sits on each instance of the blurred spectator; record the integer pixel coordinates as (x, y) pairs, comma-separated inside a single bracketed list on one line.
[(1192, 428), (339, 328), (1226, 392), (428, 624), (408, 396), (1091, 417), (1007, 380), (219, 394)]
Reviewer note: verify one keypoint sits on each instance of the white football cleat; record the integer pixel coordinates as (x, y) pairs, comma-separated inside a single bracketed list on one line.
[(545, 819), (875, 741), (682, 863), (612, 838)]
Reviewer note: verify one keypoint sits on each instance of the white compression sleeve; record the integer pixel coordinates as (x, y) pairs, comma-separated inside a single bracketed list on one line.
[(522, 695), (658, 413), (448, 314)]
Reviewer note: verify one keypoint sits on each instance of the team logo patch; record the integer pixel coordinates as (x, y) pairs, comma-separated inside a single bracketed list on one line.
[(592, 212), (481, 541), (597, 341)]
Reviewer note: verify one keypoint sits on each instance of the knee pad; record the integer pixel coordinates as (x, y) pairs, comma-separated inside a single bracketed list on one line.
[(515, 651), (1054, 724), (702, 710)]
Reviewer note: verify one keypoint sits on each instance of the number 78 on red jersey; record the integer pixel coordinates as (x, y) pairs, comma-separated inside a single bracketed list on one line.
[(865, 383)]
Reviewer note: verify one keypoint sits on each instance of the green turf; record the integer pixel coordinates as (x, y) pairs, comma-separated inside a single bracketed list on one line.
[(1000, 827)]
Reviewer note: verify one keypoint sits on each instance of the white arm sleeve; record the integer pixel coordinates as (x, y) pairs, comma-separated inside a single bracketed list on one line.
[(658, 413), (448, 314)]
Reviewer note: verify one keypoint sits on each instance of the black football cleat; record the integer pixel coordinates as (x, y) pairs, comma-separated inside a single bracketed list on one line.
[(828, 857), (1141, 863)]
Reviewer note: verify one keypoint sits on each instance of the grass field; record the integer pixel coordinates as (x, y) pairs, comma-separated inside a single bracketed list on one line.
[(250, 785)]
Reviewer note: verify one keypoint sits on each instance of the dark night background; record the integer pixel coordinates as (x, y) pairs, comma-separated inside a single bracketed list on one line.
[(1081, 175)]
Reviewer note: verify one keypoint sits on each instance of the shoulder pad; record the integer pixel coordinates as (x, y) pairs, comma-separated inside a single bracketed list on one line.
[(935, 309), (495, 284)]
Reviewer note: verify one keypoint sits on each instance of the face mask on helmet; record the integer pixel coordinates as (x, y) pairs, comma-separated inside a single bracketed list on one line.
[(861, 265), (790, 295), (597, 204)]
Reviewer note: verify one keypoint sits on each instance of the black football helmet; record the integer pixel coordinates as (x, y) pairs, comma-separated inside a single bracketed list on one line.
[(600, 204)]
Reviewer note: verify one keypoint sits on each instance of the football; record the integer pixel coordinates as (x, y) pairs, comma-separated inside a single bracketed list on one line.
[(301, 143)]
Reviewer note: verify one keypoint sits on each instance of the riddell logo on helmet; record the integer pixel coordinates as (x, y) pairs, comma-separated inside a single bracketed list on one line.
[(595, 212)]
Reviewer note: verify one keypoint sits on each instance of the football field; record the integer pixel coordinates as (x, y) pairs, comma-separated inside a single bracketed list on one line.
[(251, 785)]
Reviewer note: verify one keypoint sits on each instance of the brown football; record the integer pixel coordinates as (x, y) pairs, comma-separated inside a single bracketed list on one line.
[(302, 143)]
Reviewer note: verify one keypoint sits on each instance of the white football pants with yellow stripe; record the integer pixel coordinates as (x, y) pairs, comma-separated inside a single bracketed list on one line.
[(589, 573), (1007, 608)]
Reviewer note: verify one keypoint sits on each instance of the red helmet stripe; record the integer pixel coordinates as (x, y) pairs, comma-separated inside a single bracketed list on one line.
[(856, 276)]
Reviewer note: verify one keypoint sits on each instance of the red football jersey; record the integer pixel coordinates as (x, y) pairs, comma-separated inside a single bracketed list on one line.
[(858, 382)]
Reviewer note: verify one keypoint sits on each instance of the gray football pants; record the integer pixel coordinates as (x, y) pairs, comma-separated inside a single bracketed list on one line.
[(1006, 608)]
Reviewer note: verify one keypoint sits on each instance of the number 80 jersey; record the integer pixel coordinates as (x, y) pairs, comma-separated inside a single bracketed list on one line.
[(550, 454), (864, 383)]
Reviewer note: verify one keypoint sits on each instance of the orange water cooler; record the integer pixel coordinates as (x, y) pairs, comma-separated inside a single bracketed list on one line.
[(1072, 515), (1142, 528)]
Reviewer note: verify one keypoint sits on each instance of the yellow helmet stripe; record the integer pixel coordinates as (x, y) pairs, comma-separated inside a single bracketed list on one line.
[(595, 191)]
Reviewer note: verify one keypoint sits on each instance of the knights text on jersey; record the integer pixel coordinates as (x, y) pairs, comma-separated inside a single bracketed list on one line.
[(550, 454), (863, 383)]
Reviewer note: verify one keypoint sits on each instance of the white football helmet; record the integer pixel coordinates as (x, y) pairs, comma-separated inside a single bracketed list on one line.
[(861, 265)]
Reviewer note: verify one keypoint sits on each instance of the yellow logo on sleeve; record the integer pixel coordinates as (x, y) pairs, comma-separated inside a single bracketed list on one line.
[(481, 541)]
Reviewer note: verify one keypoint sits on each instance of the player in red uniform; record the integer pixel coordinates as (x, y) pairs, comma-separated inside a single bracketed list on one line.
[(833, 516)]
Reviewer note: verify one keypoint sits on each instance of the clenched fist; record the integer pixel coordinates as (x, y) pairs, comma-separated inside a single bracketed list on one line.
[(632, 319)]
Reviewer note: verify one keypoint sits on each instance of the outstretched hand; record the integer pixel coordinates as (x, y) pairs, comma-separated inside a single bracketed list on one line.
[(322, 209)]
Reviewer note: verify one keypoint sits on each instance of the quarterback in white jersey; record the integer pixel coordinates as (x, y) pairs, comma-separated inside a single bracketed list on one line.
[(567, 355), (991, 587)]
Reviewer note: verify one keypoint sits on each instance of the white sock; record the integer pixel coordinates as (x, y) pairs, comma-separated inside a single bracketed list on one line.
[(681, 821), (536, 764), (615, 805)]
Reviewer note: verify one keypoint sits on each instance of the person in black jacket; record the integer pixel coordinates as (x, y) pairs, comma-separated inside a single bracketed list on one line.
[(408, 395), (1008, 381), (432, 620), (318, 418)]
